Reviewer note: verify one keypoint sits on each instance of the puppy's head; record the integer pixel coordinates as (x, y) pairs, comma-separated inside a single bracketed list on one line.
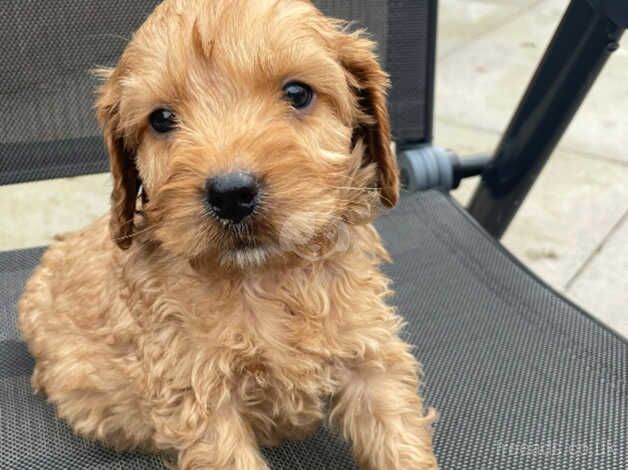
[(253, 127)]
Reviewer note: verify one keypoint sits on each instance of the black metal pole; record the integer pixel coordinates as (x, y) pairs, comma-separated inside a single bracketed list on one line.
[(431, 70), (578, 51)]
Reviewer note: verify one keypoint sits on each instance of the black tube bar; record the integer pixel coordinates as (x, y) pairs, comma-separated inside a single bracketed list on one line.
[(584, 40)]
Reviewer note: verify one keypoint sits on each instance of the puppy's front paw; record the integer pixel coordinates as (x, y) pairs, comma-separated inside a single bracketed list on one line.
[(418, 461), (36, 382), (210, 456)]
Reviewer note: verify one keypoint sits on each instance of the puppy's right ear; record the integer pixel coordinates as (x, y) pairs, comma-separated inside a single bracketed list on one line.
[(121, 160)]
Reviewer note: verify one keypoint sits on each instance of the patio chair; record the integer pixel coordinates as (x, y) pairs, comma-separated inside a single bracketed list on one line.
[(522, 378)]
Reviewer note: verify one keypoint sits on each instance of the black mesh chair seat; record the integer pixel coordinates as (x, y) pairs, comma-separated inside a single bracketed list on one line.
[(522, 378)]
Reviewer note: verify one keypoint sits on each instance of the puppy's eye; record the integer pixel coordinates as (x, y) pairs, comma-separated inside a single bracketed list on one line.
[(298, 94), (162, 120)]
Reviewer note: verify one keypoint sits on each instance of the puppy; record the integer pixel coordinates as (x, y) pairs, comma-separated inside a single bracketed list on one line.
[(232, 298)]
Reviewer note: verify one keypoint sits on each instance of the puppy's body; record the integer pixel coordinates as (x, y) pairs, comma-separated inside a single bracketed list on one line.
[(206, 340)]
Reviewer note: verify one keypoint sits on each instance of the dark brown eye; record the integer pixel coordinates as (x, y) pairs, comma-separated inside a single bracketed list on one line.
[(298, 94), (162, 120)]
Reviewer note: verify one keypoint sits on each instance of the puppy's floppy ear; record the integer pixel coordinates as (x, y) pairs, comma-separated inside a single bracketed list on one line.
[(121, 160), (370, 84)]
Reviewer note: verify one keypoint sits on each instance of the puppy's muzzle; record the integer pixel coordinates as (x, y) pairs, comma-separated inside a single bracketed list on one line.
[(233, 197)]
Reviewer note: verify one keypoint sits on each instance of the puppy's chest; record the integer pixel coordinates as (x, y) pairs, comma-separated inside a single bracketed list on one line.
[(276, 345), (286, 369), (261, 342), (264, 346)]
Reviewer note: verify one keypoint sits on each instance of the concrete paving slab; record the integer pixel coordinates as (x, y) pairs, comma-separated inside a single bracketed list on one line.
[(462, 21), (602, 287), (39, 210), (601, 126), (570, 210), (481, 84)]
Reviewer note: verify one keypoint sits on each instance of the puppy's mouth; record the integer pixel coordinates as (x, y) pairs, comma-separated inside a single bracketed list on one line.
[(246, 244), (244, 235)]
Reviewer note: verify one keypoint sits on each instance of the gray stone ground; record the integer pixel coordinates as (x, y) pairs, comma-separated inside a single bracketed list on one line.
[(573, 228)]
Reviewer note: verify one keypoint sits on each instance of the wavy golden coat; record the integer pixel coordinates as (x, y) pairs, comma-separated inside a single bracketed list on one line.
[(159, 328)]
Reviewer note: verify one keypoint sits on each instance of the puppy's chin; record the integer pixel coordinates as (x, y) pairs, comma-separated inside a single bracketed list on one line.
[(255, 257), (247, 257)]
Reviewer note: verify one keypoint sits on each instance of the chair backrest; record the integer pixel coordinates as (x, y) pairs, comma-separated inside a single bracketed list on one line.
[(47, 123)]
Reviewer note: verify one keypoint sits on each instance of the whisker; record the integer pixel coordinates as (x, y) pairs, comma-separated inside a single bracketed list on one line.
[(351, 188), (136, 233)]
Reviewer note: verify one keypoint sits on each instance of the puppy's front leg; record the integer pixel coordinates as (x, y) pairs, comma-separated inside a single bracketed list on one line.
[(227, 444), (379, 410)]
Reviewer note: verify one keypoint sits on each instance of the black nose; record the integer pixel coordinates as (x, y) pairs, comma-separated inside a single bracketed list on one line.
[(232, 196)]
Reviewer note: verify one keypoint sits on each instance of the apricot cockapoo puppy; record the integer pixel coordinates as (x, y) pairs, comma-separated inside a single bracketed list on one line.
[(233, 298)]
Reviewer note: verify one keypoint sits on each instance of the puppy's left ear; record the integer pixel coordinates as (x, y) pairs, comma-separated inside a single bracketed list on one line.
[(370, 85)]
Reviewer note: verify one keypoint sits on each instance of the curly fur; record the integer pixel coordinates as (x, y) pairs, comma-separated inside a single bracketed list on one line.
[(160, 329)]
